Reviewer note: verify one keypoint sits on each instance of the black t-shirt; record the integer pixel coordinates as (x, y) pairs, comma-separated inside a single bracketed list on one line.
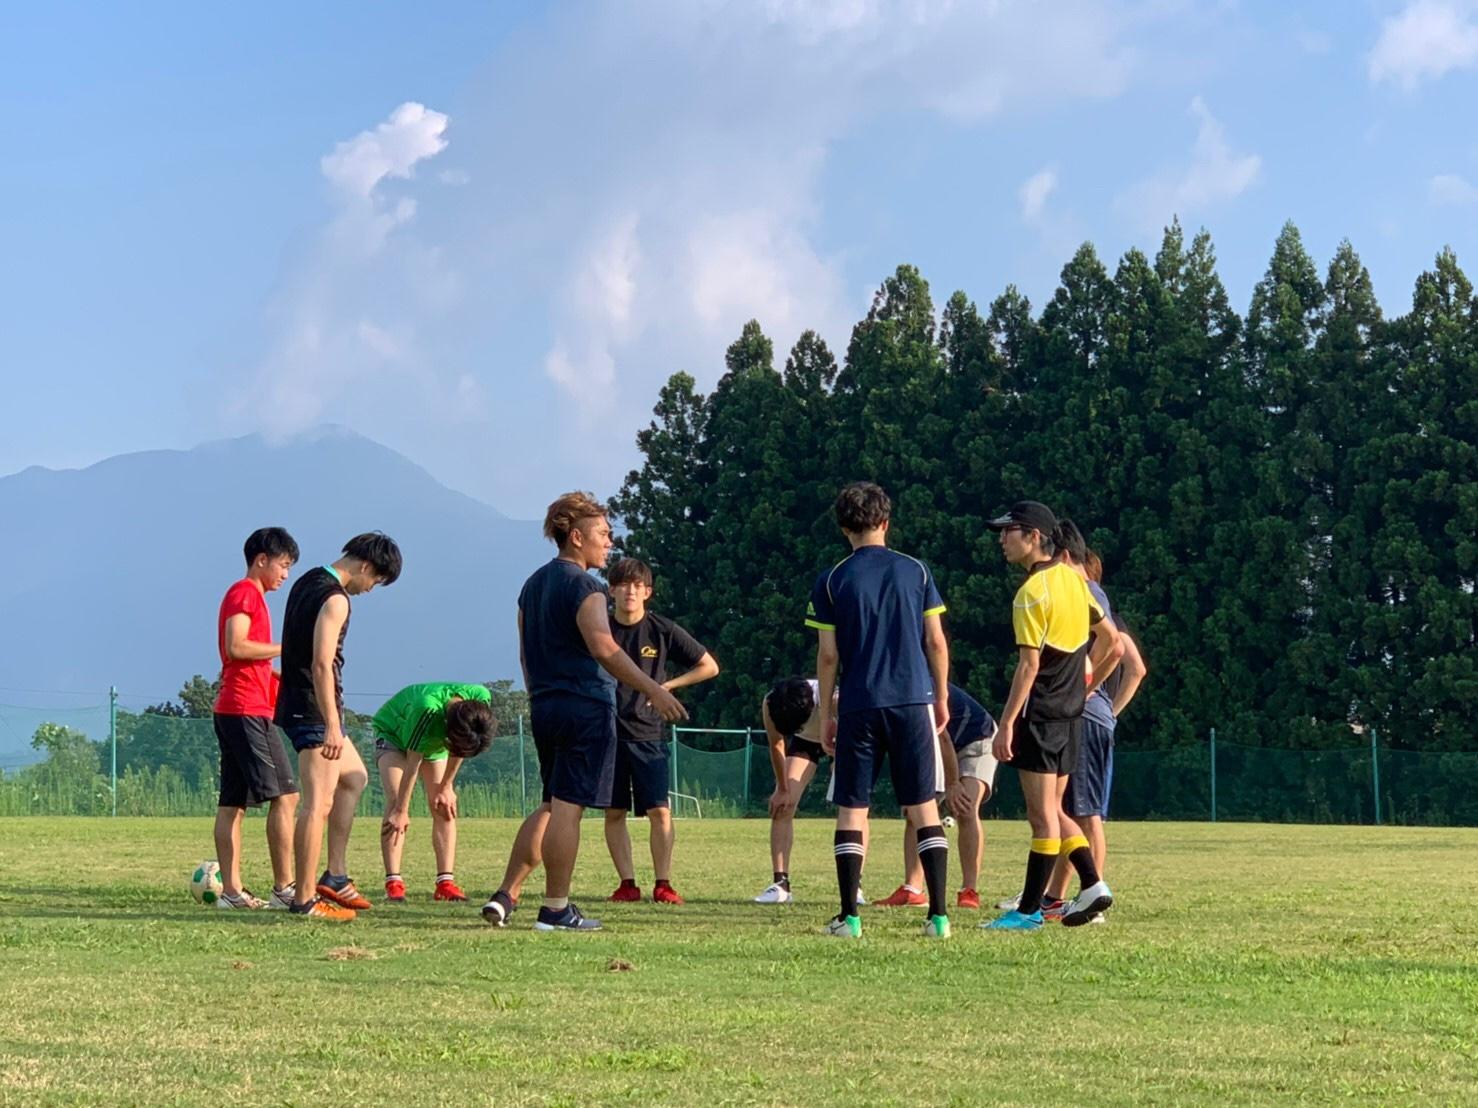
[(296, 704), (554, 651), (651, 643)]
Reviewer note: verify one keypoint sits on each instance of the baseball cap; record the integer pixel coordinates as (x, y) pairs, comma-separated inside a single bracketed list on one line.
[(1029, 514)]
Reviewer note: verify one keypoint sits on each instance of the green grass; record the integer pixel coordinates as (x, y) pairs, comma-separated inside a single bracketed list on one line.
[(1245, 964)]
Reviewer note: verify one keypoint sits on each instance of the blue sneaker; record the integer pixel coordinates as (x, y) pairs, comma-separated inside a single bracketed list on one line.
[(1015, 921), (567, 918)]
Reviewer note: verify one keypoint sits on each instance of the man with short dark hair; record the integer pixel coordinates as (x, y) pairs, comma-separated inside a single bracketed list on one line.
[(570, 665), (310, 710), (650, 641), (877, 615), (254, 765), (1054, 619), (428, 731)]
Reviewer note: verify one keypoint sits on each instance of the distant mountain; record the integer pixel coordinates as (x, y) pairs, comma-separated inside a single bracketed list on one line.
[(111, 575)]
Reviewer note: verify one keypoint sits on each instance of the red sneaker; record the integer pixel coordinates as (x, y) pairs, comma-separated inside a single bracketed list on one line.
[(625, 894), (448, 890), (665, 894), (967, 898), (902, 897), (395, 891), (1053, 909)]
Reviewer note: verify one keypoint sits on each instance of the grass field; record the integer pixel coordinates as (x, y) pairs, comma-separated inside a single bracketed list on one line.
[(1245, 964)]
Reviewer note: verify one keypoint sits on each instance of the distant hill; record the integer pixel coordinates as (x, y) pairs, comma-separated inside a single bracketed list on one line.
[(111, 575)]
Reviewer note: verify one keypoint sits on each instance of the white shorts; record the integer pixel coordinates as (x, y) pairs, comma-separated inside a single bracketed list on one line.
[(977, 761)]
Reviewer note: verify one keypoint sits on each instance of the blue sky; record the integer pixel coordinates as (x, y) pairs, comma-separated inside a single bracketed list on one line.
[(486, 235)]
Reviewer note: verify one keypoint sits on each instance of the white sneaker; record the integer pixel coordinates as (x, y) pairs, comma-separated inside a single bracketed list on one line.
[(1097, 917), (861, 900), (1090, 902), (1010, 904), (843, 928), (226, 902), (281, 900), (775, 894)]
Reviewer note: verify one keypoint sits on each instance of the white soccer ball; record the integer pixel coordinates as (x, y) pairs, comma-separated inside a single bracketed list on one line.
[(205, 883), (947, 821)]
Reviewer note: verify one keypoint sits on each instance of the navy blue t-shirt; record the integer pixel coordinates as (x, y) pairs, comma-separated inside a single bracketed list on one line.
[(876, 600), (1100, 706), (968, 719), (554, 651)]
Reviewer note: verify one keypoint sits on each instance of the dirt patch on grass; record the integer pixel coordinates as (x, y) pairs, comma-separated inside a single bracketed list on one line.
[(351, 954)]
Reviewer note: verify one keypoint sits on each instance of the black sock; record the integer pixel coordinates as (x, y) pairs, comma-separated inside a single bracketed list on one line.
[(392, 877), (1039, 865), (628, 882), (1080, 854), (847, 846), (934, 857), (782, 878), (662, 883)]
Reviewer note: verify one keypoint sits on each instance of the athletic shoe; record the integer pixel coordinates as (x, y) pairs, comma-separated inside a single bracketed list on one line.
[(843, 927), (902, 897), (1092, 900), (665, 894), (967, 898), (1097, 917), (567, 918), (395, 891), (449, 890), (282, 899), (344, 895), (498, 908), (775, 894), (1052, 908), (318, 908), (625, 894), (1015, 921), (244, 901), (861, 900), (1010, 904), (936, 927)]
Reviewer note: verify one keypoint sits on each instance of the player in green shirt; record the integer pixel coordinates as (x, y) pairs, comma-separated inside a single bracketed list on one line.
[(428, 731)]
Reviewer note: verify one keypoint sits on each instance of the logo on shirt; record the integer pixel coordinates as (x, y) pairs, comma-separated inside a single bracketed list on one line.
[(810, 608), (649, 652)]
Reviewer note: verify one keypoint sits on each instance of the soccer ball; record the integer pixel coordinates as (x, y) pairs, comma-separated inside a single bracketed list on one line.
[(947, 821), (205, 883)]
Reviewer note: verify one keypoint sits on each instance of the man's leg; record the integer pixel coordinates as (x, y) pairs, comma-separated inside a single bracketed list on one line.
[(526, 854), (913, 869), (1044, 814), (849, 847), (443, 836), (281, 811), (561, 846), (228, 848), (972, 837), (319, 778), (1093, 895), (661, 840), (798, 774), (618, 842), (392, 774), (1097, 840), (353, 778)]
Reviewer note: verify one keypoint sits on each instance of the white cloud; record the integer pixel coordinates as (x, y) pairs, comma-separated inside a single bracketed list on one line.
[(1427, 39), (1448, 188), (1034, 192), (1214, 175), (411, 134)]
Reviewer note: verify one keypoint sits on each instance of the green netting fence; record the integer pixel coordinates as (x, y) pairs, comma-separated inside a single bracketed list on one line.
[(167, 766)]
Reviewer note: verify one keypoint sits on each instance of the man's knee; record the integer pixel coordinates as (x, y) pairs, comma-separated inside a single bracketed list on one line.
[(354, 781), (660, 817), (615, 815)]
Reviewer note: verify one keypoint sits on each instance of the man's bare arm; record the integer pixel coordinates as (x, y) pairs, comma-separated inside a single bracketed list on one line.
[(595, 629)]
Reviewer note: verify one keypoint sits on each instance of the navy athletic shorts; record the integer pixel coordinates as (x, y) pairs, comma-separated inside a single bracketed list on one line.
[(906, 735), (575, 737), (797, 747), (1088, 787), (641, 775)]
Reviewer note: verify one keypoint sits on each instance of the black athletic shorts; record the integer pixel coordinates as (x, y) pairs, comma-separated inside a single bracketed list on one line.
[(1046, 746), (575, 737), (254, 763), (641, 775), (797, 747)]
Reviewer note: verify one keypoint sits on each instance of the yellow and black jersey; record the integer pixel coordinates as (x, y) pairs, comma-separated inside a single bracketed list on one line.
[(1053, 613)]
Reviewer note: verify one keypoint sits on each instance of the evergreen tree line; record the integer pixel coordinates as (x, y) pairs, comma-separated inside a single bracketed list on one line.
[(1284, 501)]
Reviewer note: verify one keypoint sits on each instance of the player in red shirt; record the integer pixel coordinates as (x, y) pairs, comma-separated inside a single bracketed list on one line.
[(254, 765)]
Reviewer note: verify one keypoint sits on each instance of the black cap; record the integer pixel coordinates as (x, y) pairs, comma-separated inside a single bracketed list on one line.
[(1029, 514)]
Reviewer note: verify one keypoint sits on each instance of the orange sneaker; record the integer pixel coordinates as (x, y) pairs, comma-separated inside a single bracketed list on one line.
[(665, 894), (448, 890), (903, 897), (395, 891), (345, 896), (967, 898), (318, 908)]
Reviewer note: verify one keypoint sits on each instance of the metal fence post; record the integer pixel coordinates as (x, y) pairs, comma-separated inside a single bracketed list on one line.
[(113, 739), (523, 775), (748, 746), (1375, 773), (673, 759), (1213, 775)]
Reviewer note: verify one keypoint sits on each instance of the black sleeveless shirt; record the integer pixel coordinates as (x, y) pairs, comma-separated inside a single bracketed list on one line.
[(296, 704)]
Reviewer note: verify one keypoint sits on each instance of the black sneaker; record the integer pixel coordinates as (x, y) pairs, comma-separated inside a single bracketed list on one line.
[(566, 919), (498, 908)]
